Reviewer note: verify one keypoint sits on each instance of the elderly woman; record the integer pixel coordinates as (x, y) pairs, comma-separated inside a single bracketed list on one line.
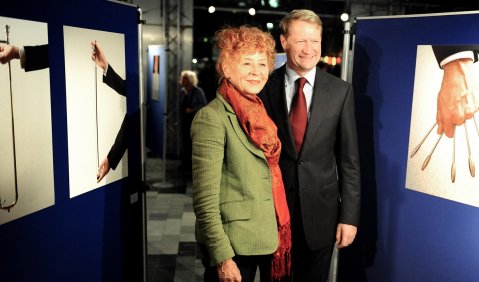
[(242, 219), (192, 99)]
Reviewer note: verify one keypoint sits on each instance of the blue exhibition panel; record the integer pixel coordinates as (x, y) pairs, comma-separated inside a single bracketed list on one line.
[(156, 99), (406, 235), (96, 236)]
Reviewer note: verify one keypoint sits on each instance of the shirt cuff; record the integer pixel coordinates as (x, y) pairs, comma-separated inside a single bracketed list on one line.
[(457, 56), (21, 52), (106, 69)]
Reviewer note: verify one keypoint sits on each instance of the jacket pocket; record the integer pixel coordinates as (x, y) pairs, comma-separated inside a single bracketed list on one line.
[(237, 210), (330, 191)]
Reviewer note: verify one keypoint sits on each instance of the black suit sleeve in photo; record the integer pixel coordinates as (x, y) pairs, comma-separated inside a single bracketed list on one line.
[(120, 146), (443, 51), (113, 80), (36, 57)]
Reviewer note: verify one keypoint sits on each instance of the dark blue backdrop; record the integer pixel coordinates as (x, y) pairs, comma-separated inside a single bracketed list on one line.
[(96, 236), (405, 235)]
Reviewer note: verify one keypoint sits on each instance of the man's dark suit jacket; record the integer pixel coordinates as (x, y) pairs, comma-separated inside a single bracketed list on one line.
[(325, 175)]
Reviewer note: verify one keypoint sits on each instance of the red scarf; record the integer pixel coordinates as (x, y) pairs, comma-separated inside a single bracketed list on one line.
[(262, 132)]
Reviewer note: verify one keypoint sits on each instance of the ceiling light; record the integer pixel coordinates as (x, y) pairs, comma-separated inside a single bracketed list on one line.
[(273, 3)]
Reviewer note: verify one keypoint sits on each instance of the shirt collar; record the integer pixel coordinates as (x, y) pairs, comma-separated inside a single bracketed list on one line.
[(292, 76)]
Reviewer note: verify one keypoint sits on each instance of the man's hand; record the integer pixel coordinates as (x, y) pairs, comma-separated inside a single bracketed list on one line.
[(103, 170), (345, 235), (8, 53), (458, 98), (97, 56)]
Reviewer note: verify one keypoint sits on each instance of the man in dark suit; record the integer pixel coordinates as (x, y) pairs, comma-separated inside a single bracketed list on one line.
[(320, 167)]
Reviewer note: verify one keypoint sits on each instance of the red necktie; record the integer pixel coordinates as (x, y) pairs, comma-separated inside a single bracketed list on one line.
[(298, 115)]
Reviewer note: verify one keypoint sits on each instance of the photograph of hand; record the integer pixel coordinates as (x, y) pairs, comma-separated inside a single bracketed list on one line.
[(113, 80), (96, 108), (26, 147), (443, 144)]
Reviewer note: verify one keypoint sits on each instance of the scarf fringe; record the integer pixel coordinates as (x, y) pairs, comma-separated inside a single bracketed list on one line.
[(281, 261)]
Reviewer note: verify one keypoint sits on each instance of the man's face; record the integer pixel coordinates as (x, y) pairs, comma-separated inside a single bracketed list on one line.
[(302, 46)]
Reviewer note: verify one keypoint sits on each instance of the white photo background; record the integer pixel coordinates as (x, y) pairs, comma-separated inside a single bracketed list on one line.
[(94, 110), (435, 179), (32, 137)]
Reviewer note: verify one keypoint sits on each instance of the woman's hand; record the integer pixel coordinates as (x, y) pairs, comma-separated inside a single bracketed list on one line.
[(228, 271)]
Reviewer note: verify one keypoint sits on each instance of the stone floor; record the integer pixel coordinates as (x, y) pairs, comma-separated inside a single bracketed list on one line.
[(172, 251)]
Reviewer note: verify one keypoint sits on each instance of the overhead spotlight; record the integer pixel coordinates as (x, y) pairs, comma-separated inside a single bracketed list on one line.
[(273, 3), (344, 17), (211, 9), (194, 61), (252, 11), (269, 26)]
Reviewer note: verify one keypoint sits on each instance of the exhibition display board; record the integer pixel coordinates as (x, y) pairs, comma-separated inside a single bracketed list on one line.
[(420, 192), (60, 118), (157, 78)]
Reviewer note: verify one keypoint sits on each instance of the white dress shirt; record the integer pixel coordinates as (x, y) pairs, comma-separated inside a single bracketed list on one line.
[(290, 86)]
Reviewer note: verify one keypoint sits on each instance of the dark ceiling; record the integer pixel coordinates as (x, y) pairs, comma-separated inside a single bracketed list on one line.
[(337, 6), (235, 13)]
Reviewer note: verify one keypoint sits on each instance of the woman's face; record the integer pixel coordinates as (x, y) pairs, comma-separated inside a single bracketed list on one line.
[(248, 74), (184, 81)]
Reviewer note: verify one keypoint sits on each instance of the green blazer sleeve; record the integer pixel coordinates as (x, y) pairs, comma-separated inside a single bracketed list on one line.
[(208, 137)]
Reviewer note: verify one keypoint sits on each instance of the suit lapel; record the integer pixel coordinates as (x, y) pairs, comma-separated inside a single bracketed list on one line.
[(277, 101), (239, 130), (319, 106)]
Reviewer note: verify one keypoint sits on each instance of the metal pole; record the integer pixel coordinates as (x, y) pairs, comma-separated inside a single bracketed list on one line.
[(142, 140), (346, 44), (163, 184), (96, 112), (2, 202), (333, 270)]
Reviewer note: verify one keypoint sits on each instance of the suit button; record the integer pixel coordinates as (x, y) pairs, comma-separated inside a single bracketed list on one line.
[(300, 162)]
